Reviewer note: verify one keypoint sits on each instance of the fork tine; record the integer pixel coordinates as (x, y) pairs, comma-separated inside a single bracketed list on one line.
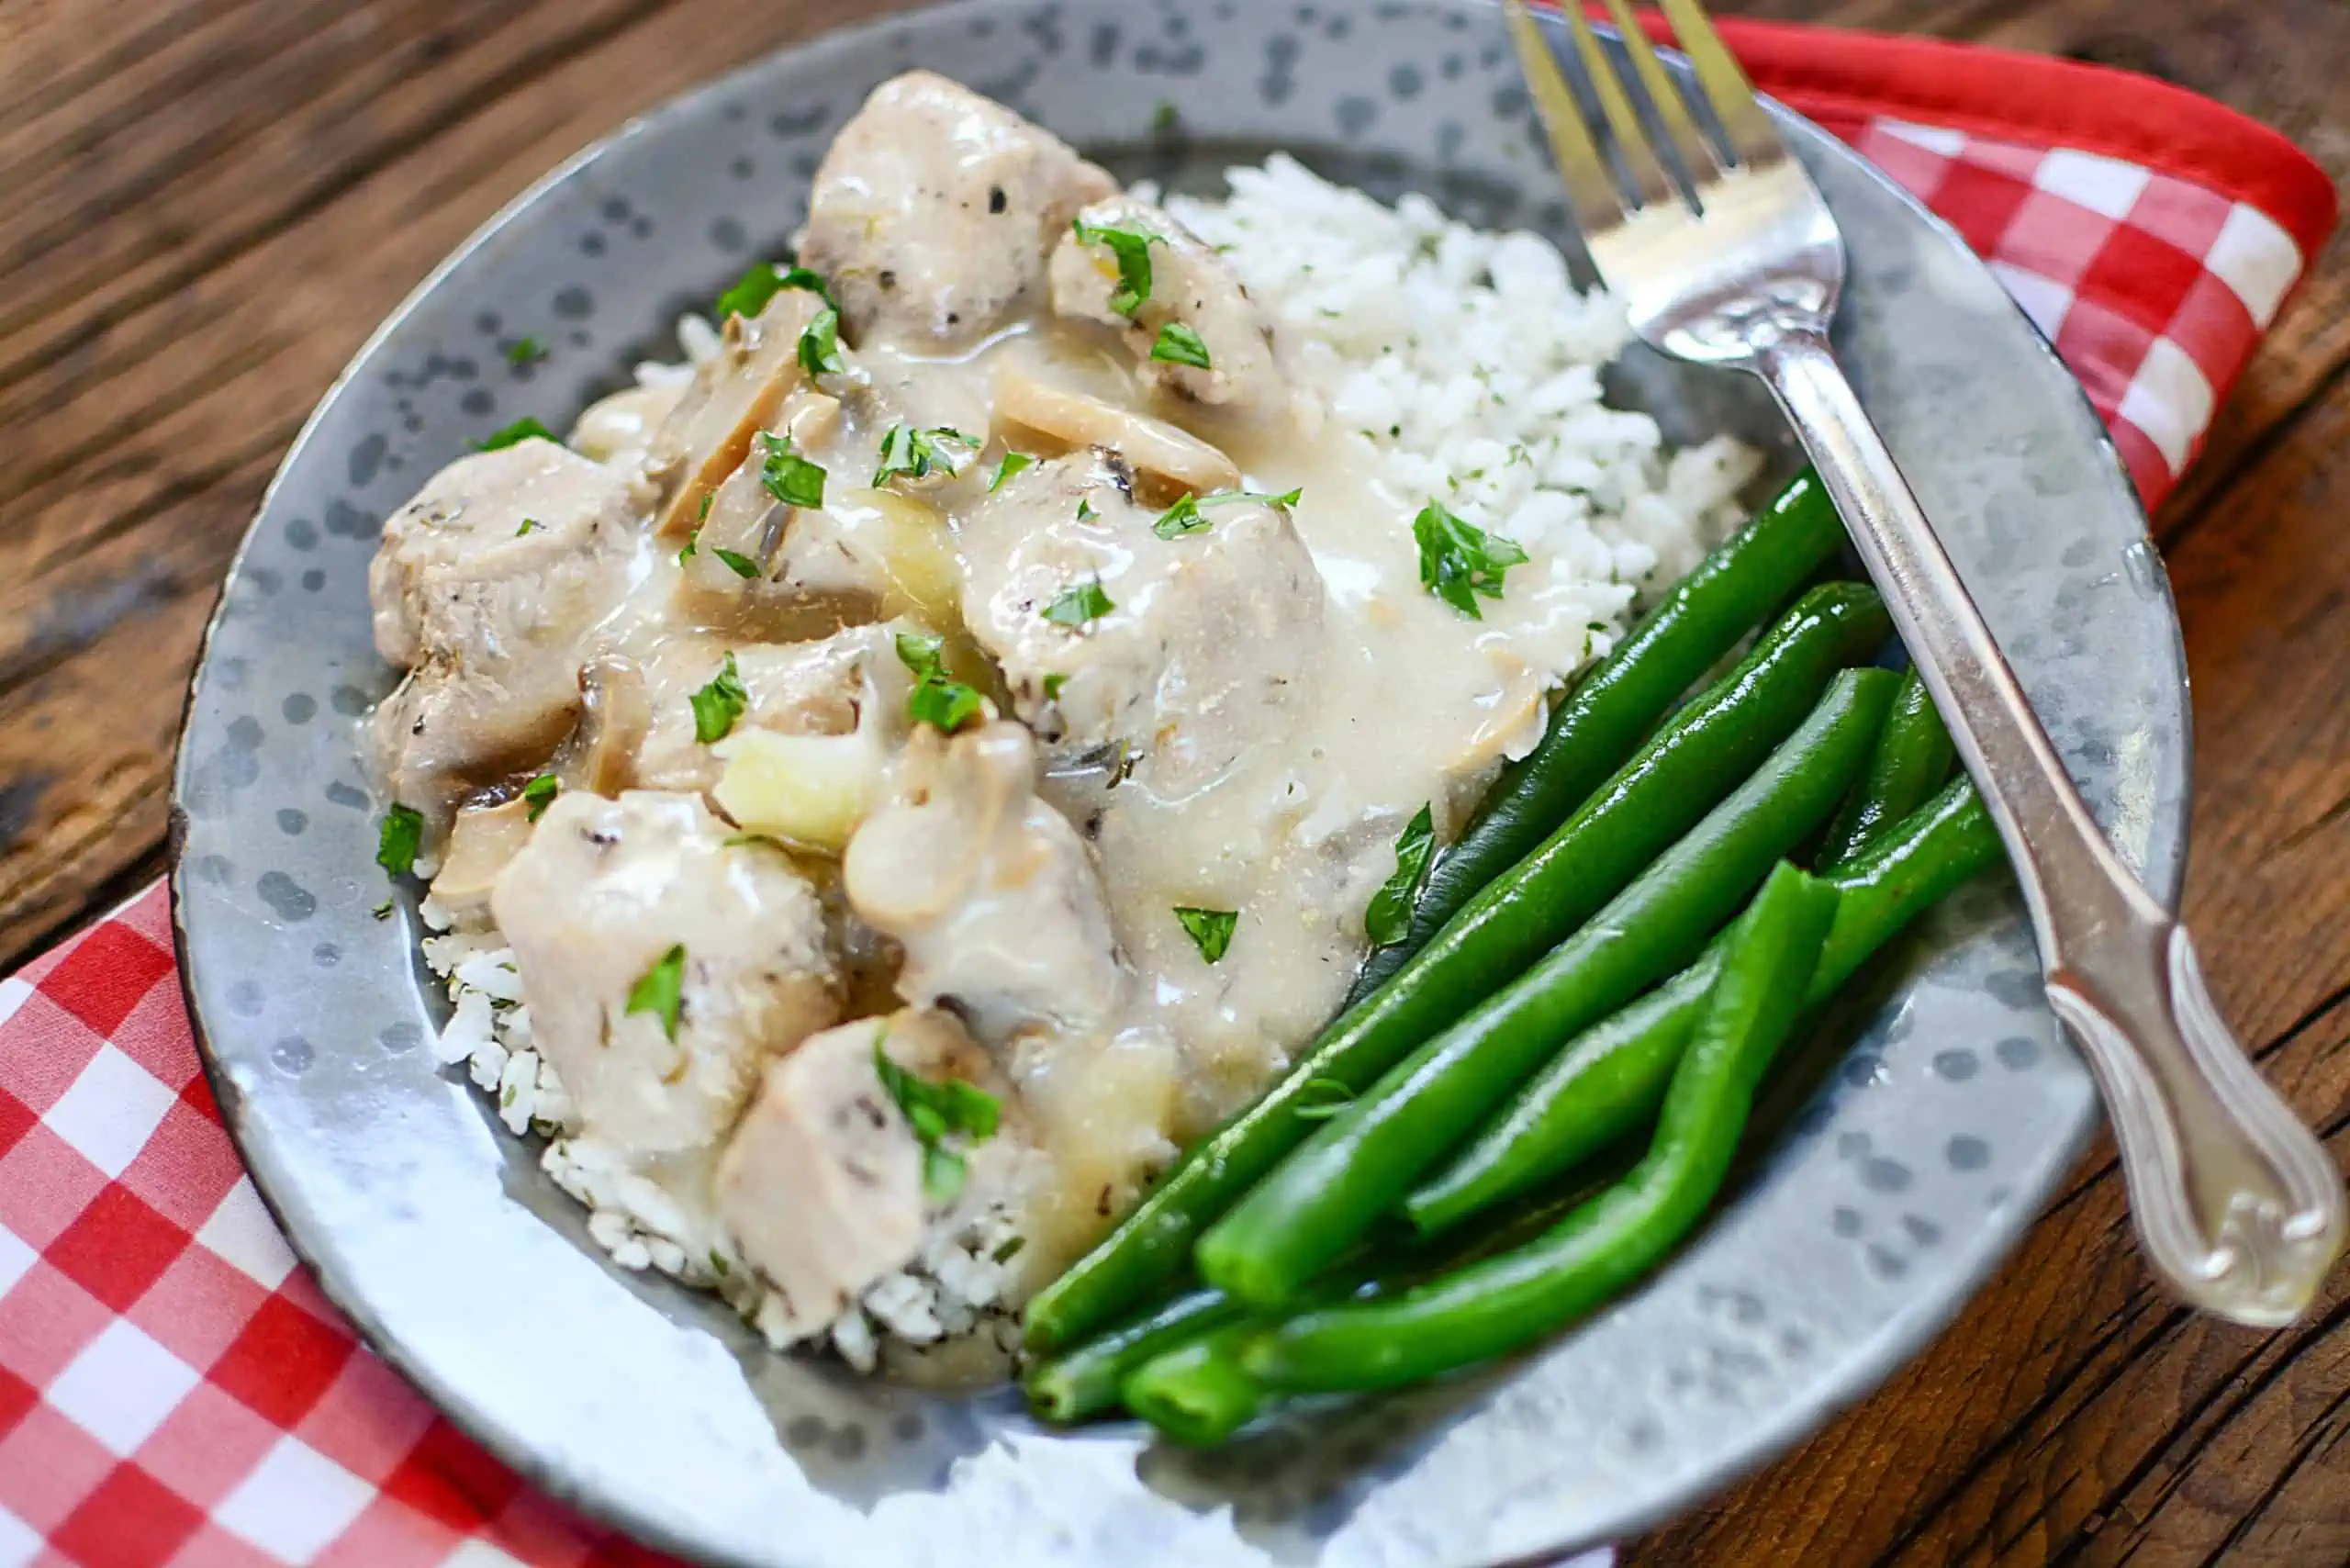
[(1589, 191), (1651, 181), (1751, 134), (1697, 156)]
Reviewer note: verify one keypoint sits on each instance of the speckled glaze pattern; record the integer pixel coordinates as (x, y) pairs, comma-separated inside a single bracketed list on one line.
[(1909, 1161)]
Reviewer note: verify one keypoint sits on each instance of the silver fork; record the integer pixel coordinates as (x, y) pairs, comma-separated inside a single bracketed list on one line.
[(2238, 1205)]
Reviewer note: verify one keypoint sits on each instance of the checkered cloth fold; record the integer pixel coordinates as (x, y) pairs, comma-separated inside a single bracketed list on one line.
[(173, 1390)]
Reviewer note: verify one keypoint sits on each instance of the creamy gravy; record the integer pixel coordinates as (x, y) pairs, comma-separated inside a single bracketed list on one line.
[(1412, 704)]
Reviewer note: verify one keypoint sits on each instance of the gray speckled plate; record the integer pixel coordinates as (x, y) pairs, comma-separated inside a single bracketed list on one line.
[(1910, 1164)]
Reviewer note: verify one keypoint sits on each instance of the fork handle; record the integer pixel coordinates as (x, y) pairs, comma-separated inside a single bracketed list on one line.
[(2238, 1205)]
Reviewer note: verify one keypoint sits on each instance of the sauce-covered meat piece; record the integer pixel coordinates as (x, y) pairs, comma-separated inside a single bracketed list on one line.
[(935, 209), (663, 964), (484, 589), (1176, 638), (988, 888), (1194, 328), (821, 1183)]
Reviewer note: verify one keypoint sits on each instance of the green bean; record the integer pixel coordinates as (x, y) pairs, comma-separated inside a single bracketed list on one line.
[(1913, 757), (1198, 1391), (1361, 1162), (1608, 1080), (1745, 582), (1690, 763), (1194, 1376), (1612, 1077), (1085, 1383), (1500, 1305)]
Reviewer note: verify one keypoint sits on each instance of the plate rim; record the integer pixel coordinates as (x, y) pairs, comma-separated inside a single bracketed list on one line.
[(1766, 1440)]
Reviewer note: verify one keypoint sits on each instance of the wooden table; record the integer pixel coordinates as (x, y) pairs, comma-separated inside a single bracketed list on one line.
[(205, 205)]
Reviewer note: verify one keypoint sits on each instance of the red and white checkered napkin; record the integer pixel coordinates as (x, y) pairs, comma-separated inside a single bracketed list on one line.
[(175, 1390), (172, 1387)]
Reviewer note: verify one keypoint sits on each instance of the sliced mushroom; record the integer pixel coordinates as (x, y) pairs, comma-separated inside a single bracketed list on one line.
[(734, 396), (1151, 446), (744, 524), (599, 758), (480, 844)]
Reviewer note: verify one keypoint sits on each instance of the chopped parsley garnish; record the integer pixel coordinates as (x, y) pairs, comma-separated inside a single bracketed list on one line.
[(693, 543), (541, 793), (1166, 117), (400, 837), (719, 704), (660, 991), (757, 288), (529, 524), (1180, 518), (1177, 344), (522, 430), (1008, 1248), (789, 477), (949, 705), (938, 1111), (741, 566), (937, 697), (1319, 1099), (1459, 560), (1210, 929), (796, 276), (1388, 918), (703, 514), (1133, 254), (381, 910), (1085, 512), (525, 350), (819, 345), (1076, 606), (1053, 684), (1185, 517), (914, 453), (1013, 463)]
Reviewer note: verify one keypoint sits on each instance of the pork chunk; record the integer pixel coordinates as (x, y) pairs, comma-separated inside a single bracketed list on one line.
[(1192, 291), (604, 892), (821, 1183), (989, 890), (1198, 650), (935, 209), (487, 587)]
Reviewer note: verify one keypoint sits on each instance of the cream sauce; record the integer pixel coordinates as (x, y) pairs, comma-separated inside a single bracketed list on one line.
[(1412, 704)]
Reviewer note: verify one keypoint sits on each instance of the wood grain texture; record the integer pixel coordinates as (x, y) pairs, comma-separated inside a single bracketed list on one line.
[(210, 203)]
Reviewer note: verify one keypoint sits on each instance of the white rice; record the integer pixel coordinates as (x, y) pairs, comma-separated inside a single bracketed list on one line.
[(1470, 366), (957, 1284), (1469, 361)]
